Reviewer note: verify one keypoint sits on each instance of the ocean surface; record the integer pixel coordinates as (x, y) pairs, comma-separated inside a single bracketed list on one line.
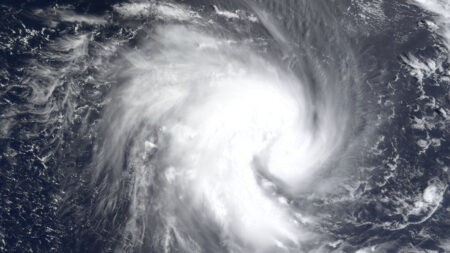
[(225, 126)]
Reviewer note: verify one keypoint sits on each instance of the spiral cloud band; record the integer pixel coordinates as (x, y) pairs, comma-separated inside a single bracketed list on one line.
[(223, 132)]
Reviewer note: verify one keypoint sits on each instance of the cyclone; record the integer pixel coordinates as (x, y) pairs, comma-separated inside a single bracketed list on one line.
[(221, 129)]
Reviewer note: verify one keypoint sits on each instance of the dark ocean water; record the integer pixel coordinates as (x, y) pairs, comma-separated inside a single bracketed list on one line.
[(104, 105)]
